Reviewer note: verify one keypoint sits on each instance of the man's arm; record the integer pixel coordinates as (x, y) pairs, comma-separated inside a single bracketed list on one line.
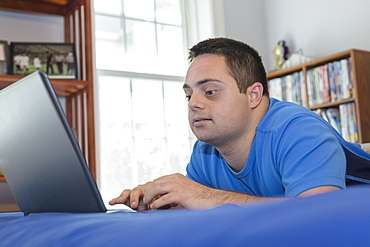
[(318, 190), (178, 190)]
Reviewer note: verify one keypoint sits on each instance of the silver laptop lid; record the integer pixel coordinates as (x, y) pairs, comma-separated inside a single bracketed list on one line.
[(39, 155)]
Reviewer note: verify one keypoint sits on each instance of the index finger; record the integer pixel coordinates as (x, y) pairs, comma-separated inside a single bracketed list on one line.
[(135, 197), (122, 198)]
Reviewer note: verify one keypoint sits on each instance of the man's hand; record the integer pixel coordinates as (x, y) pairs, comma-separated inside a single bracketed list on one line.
[(174, 190), (132, 198)]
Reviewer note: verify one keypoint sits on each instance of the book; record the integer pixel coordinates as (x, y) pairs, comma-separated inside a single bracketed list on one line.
[(334, 118), (289, 88)]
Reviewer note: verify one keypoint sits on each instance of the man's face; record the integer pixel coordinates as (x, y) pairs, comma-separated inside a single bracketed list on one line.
[(218, 112)]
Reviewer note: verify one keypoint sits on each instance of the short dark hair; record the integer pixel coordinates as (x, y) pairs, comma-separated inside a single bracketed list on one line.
[(244, 63)]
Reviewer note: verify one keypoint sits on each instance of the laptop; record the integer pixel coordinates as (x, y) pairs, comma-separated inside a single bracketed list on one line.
[(39, 155)]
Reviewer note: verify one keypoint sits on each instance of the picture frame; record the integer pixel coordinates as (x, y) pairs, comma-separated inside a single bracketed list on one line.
[(4, 57), (57, 60)]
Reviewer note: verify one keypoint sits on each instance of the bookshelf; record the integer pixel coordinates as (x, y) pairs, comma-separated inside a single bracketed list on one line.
[(79, 93), (315, 90)]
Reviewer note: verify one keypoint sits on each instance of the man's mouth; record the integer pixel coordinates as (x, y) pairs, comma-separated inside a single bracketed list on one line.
[(200, 121)]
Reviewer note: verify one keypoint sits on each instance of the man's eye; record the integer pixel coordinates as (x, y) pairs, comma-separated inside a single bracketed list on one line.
[(210, 92), (187, 97)]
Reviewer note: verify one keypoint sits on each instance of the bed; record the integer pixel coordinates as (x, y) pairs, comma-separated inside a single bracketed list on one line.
[(338, 218)]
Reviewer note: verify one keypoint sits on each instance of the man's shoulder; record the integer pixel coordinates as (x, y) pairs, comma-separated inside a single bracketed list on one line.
[(280, 113), (286, 108)]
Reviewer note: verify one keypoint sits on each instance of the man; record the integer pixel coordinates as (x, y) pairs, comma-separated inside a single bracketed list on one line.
[(250, 148), (37, 63), (24, 63), (49, 63), (70, 61), (59, 60), (17, 62)]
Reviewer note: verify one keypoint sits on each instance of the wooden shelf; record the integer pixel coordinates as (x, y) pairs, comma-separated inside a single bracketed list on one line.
[(52, 7), (284, 72), (62, 87), (361, 83), (332, 104)]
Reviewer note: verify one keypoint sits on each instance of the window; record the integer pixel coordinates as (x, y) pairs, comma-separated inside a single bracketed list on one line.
[(143, 36), (143, 131), (142, 126)]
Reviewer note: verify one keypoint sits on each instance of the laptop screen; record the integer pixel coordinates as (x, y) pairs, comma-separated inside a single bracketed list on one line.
[(39, 156)]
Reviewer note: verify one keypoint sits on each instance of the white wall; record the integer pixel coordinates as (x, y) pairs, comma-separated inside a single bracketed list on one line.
[(245, 21), (318, 27), (21, 27)]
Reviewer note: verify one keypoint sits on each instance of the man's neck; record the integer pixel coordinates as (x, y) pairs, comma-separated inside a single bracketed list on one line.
[(236, 152)]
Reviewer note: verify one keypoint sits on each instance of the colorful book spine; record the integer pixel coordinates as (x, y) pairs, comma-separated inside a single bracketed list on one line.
[(334, 118), (330, 82), (343, 119), (289, 88)]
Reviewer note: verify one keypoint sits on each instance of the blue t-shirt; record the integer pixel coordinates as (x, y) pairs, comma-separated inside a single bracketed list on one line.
[(294, 150)]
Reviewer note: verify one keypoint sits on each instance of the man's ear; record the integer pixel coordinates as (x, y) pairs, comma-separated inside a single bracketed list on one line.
[(255, 93)]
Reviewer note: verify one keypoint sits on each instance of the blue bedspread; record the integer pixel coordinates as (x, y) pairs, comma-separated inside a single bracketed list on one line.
[(339, 218)]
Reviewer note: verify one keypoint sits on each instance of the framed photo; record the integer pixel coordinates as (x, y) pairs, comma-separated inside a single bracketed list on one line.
[(3, 57), (58, 60)]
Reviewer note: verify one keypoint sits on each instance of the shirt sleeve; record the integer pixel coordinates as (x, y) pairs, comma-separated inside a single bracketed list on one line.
[(309, 155)]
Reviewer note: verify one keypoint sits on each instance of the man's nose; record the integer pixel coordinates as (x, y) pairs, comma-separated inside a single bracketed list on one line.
[(195, 102)]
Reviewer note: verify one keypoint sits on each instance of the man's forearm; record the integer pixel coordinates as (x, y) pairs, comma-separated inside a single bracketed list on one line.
[(216, 197)]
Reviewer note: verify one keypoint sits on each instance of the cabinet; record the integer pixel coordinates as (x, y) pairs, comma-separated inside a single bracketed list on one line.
[(358, 88), (78, 93)]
